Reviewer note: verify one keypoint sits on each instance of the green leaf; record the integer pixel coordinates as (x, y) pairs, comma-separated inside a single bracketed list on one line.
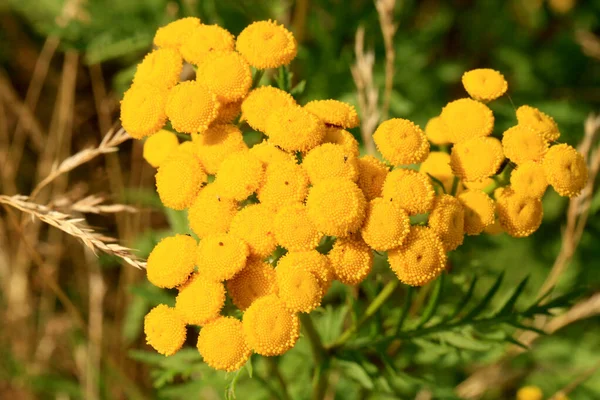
[(249, 367), (486, 299), (230, 390), (108, 46), (433, 302), (507, 308), (463, 342), (298, 90), (464, 301), (356, 372)]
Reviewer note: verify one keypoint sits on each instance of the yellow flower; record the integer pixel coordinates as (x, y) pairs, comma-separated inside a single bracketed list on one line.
[(191, 107), (467, 119), (216, 143), (270, 329), (385, 226), (143, 110), (260, 104), (484, 84), (266, 44), (158, 146), (211, 212), (200, 301), (519, 215), (228, 112), (221, 256), (437, 165), (174, 34), (437, 132), (371, 175), (351, 260), (294, 230), (447, 219), (160, 68), (343, 138), (222, 344), (409, 190), (299, 289), (239, 175), (172, 261), (522, 144), (479, 211), (530, 393), (420, 259), (256, 280), (539, 122), (529, 179), (311, 261), (495, 228), (336, 206), (205, 40), (254, 225), (328, 161), (477, 158), (285, 183), (227, 75), (565, 170), (165, 330), (401, 142), (294, 129), (334, 112), (179, 179), (267, 153)]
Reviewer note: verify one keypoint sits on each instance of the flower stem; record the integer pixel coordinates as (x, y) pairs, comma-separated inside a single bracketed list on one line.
[(274, 368)]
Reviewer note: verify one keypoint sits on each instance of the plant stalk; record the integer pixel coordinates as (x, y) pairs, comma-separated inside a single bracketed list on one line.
[(320, 356)]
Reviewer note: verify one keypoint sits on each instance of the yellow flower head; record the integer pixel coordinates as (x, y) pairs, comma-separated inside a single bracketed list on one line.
[(200, 301), (158, 146), (191, 107), (351, 260), (477, 158), (294, 129), (343, 138), (165, 330), (205, 40), (221, 256), (530, 393), (240, 175), (160, 68), (437, 132), (447, 219), (260, 104), (479, 211), (336, 206), (467, 119), (179, 179), (328, 161), (409, 190), (522, 144), (173, 35), (285, 183), (539, 122), (565, 170), (518, 214), (256, 280), (371, 175), (266, 44), (437, 165), (222, 344), (211, 212), (267, 153), (172, 261), (217, 143), (401, 142), (228, 112), (311, 261), (420, 259), (299, 289), (334, 112), (385, 226), (143, 110), (529, 179), (227, 75), (484, 84), (294, 230), (254, 225)]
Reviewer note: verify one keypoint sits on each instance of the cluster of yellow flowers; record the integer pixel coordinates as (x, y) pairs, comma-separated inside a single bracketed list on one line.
[(306, 183)]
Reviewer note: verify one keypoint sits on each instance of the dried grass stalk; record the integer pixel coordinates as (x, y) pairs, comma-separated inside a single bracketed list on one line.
[(92, 204), (385, 9)]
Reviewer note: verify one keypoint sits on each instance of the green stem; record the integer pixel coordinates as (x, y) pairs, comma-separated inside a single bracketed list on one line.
[(455, 182), (405, 310), (502, 179), (274, 368), (321, 373), (258, 74)]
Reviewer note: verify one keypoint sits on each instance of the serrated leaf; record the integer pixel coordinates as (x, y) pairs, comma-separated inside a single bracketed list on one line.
[(486, 299), (298, 89), (463, 342), (510, 303), (514, 341), (433, 302), (355, 371), (464, 301)]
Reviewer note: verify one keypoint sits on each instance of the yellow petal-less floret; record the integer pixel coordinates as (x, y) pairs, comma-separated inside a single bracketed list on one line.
[(529, 179), (386, 225), (565, 170), (522, 144), (158, 146), (211, 212), (519, 215), (172, 261), (437, 131), (228, 112), (334, 112), (420, 259), (191, 107), (336, 206), (221, 256), (217, 143), (476, 159), (179, 179), (240, 175), (160, 68), (409, 190), (467, 119), (437, 165), (351, 260), (328, 161), (371, 175), (256, 280), (479, 211), (484, 84), (267, 153), (530, 393), (165, 330), (222, 344), (254, 225), (266, 44), (261, 103), (200, 301), (174, 34), (299, 289), (285, 183), (343, 138), (294, 129), (143, 110), (294, 230), (205, 40), (227, 75), (539, 122), (312, 261), (401, 142), (447, 219)]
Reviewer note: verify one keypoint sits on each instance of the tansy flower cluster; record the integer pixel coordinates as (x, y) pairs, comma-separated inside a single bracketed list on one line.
[(262, 212)]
